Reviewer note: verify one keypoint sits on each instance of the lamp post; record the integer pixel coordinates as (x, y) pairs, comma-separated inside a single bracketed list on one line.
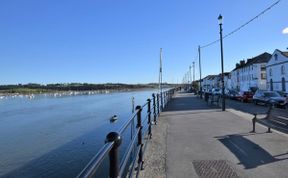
[(222, 66)]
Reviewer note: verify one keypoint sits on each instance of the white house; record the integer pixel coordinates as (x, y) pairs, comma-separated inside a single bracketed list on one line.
[(209, 82), (234, 79), (276, 69), (214, 81), (250, 74)]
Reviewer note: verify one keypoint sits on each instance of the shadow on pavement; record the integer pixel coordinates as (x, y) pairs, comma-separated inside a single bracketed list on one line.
[(250, 154)]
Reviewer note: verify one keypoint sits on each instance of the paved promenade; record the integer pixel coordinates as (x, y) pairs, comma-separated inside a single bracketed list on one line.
[(194, 139)]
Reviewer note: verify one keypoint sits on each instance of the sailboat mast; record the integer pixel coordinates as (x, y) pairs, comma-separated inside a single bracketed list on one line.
[(160, 80)]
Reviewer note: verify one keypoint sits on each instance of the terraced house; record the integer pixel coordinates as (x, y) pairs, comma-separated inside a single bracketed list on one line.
[(250, 74), (276, 69)]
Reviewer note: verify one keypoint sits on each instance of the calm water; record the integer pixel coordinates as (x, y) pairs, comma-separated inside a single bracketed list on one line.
[(56, 137)]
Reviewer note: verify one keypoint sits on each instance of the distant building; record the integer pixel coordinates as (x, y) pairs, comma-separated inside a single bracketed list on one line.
[(227, 80), (209, 82), (214, 81), (277, 73), (250, 74)]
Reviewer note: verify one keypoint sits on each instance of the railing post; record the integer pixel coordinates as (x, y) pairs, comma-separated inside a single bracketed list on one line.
[(149, 118), (154, 109), (158, 105), (165, 100), (114, 154), (139, 125), (161, 100)]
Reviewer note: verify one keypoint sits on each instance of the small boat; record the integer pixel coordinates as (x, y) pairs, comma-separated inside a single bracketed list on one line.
[(113, 118)]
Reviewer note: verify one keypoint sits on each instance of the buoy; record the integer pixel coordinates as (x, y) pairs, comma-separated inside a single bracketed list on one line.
[(113, 118)]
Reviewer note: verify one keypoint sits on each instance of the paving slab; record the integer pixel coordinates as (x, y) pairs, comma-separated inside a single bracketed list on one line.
[(203, 141)]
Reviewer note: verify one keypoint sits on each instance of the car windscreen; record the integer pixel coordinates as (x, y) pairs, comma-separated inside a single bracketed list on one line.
[(271, 94)]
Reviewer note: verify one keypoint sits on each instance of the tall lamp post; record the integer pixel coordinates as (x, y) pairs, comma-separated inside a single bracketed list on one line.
[(222, 66)]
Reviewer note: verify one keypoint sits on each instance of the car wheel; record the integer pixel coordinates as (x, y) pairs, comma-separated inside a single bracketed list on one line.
[(255, 102)]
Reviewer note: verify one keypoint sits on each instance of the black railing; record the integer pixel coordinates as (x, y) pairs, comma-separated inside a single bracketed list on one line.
[(132, 161)]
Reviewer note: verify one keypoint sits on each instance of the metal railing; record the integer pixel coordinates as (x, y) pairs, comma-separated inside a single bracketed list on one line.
[(136, 146)]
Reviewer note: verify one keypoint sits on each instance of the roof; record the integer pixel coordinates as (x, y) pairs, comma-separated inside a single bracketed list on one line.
[(262, 58), (284, 53), (208, 77)]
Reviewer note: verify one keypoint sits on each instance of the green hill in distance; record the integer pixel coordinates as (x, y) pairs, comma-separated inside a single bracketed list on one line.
[(34, 88)]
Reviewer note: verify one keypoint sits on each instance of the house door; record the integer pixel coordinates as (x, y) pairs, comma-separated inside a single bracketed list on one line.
[(283, 84), (271, 84)]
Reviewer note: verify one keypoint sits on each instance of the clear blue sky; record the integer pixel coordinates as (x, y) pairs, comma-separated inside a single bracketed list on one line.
[(99, 41)]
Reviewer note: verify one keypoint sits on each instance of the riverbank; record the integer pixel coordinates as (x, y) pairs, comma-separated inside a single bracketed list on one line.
[(74, 88)]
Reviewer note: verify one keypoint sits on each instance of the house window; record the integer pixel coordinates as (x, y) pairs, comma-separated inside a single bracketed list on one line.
[(282, 70), (276, 57), (263, 67), (283, 84), (270, 72), (263, 76)]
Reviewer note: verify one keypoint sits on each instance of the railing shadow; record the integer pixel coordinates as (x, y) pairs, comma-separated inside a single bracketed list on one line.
[(250, 154)]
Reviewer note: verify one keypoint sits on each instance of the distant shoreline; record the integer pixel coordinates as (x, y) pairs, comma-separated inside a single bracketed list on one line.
[(73, 89)]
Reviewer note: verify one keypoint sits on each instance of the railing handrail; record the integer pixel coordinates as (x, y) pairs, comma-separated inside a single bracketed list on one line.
[(113, 139), (127, 123), (95, 162)]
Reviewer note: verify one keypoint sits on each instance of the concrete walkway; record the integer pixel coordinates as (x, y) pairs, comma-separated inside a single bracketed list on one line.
[(197, 140)]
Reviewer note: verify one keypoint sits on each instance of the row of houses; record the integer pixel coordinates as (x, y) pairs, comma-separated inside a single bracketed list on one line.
[(265, 71)]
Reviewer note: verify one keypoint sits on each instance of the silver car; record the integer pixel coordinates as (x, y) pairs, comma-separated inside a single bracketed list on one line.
[(269, 98)]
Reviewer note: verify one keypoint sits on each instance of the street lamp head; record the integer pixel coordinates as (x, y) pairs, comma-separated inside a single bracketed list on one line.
[(220, 19)]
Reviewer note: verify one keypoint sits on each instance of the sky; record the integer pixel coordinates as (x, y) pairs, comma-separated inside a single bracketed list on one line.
[(99, 41)]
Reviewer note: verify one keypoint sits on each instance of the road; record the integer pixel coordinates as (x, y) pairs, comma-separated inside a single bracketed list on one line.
[(250, 108)]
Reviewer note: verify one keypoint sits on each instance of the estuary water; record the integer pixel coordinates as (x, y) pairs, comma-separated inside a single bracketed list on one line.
[(57, 136)]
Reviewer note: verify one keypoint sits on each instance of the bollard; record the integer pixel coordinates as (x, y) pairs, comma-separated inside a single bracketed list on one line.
[(269, 130), (139, 125), (149, 118), (254, 122), (154, 109), (114, 154)]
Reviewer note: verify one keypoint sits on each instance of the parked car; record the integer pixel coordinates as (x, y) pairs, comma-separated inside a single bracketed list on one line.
[(245, 96), (269, 97), (216, 91), (233, 94), (284, 94)]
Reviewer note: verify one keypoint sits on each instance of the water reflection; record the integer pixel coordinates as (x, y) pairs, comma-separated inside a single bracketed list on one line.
[(56, 137)]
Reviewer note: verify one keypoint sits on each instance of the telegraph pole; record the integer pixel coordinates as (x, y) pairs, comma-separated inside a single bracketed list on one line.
[(190, 74), (200, 71), (193, 71)]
